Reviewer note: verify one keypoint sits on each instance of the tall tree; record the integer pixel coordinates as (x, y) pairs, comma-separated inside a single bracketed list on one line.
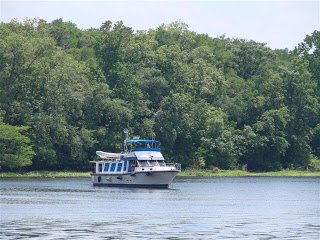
[(15, 148)]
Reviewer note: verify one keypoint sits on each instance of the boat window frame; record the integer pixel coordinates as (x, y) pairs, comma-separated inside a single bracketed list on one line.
[(113, 167), (161, 163), (125, 163), (119, 163), (145, 161), (104, 169), (153, 161)]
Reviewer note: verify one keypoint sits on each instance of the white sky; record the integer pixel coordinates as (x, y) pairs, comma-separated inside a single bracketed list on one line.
[(280, 24)]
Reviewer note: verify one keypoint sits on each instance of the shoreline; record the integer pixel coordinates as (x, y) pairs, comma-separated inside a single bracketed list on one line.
[(241, 173), (184, 173)]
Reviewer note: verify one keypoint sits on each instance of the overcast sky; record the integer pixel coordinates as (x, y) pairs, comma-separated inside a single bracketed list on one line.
[(280, 24)]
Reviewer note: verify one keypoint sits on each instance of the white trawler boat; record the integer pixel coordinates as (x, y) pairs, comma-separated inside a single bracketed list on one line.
[(141, 164)]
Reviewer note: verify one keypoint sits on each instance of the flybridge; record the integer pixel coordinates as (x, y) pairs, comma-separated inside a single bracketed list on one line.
[(141, 145), (142, 141), (151, 155)]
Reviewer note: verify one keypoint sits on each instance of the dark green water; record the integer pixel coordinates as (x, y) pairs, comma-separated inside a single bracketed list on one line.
[(202, 208)]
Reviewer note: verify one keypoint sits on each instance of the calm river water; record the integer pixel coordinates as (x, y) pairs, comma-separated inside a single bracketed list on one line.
[(193, 208)]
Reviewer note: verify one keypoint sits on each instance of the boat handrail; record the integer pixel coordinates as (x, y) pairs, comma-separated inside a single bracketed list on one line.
[(176, 165), (142, 149)]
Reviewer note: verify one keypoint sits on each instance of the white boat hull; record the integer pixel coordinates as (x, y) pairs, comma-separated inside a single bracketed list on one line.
[(154, 179)]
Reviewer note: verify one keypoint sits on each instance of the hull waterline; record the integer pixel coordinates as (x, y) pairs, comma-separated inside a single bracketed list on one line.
[(137, 179)]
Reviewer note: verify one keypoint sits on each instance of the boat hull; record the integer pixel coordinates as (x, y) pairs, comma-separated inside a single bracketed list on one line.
[(159, 179)]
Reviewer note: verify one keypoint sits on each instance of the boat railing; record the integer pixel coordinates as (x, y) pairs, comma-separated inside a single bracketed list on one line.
[(176, 165)]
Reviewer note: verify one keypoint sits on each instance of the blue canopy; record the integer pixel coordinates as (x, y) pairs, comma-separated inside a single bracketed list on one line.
[(142, 141)]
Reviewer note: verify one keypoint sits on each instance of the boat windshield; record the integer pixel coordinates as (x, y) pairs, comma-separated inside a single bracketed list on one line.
[(142, 144), (161, 163), (143, 163), (153, 163)]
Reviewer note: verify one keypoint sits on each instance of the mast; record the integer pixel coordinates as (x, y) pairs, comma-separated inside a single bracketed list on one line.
[(126, 132)]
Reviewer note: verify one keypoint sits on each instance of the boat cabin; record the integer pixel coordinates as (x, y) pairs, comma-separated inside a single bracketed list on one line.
[(138, 154)]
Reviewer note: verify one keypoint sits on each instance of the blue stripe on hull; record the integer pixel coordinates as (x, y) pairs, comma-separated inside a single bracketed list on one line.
[(158, 186)]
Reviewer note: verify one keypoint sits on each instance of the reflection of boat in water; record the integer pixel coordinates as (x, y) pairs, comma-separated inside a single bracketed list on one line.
[(141, 164)]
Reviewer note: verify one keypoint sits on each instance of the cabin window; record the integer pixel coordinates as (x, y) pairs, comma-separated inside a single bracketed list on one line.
[(143, 163), (161, 163), (106, 167), (153, 163), (112, 167), (100, 167), (119, 167), (125, 165)]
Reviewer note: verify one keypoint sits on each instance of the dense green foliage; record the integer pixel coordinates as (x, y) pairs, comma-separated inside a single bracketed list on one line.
[(212, 102), (16, 150)]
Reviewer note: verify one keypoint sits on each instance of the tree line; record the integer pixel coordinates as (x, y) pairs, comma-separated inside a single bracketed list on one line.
[(212, 102)]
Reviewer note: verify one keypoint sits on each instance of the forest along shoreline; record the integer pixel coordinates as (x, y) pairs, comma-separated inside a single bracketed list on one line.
[(212, 102), (185, 173)]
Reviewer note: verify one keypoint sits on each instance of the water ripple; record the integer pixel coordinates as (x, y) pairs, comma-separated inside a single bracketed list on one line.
[(196, 209)]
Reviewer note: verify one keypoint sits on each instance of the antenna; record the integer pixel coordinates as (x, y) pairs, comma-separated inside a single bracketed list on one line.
[(152, 137), (126, 132)]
